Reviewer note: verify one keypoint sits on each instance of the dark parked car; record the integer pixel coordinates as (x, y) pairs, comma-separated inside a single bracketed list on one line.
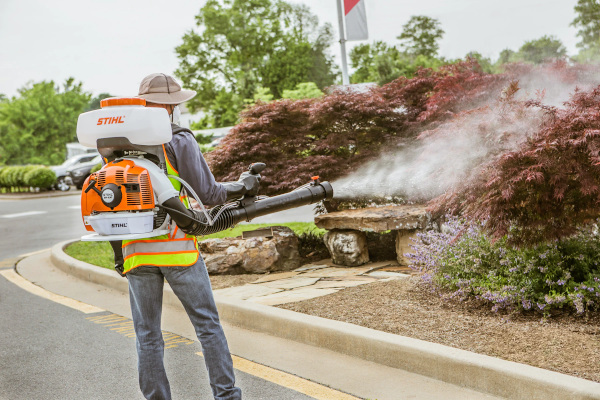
[(78, 174), (73, 162)]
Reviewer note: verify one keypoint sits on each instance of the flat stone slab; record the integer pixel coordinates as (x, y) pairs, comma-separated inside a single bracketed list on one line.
[(359, 278), (342, 284), (276, 276), (336, 272), (307, 282), (290, 296), (247, 291), (311, 267), (377, 219), (291, 283), (387, 274), (398, 268)]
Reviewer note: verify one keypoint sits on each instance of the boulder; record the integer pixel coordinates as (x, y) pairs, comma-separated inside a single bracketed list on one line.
[(224, 263), (347, 248), (384, 226), (254, 255), (259, 255), (404, 239)]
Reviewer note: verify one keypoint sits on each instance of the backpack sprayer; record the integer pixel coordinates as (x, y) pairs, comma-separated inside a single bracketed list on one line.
[(132, 197)]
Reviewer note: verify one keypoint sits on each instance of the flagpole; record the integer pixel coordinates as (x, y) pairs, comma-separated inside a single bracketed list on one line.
[(345, 79)]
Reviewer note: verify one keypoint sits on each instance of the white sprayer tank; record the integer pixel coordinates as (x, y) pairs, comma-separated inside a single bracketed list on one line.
[(141, 125), (149, 126)]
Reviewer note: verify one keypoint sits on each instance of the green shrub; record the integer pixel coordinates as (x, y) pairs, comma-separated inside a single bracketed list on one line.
[(206, 148), (23, 171), (41, 177), (96, 168), (11, 176), (3, 175), (17, 177), (311, 245), (464, 261)]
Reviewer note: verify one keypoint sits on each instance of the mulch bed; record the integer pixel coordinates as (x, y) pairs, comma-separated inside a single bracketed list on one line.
[(564, 343)]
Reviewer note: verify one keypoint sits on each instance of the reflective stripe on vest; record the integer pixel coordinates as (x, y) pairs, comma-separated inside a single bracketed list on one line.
[(173, 249)]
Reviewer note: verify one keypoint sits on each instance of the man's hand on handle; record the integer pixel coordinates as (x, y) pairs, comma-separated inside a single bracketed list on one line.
[(248, 183)]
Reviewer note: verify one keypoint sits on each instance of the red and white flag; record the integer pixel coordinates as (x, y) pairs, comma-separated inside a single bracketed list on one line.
[(356, 20)]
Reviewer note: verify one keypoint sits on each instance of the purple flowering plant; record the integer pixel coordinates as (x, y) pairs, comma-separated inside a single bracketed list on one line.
[(462, 261)]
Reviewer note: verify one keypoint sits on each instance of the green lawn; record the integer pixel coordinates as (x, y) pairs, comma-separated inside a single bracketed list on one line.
[(100, 253), (298, 227), (96, 253)]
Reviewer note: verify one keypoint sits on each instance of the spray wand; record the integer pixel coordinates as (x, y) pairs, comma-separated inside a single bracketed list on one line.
[(225, 216)]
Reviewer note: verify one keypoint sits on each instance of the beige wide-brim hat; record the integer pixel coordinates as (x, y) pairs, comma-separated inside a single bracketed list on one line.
[(163, 89)]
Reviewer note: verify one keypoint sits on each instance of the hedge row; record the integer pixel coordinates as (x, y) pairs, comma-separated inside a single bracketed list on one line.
[(27, 176)]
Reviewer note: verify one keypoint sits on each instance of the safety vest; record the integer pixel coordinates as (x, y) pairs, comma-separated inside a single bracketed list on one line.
[(174, 249)]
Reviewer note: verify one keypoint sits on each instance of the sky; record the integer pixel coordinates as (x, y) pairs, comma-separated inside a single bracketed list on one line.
[(110, 45)]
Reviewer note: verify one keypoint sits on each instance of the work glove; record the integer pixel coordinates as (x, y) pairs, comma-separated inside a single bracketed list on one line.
[(120, 270), (247, 184), (116, 246)]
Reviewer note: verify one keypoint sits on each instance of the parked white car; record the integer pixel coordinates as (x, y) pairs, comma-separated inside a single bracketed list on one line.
[(61, 170)]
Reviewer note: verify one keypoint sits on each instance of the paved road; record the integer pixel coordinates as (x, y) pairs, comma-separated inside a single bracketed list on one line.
[(299, 214), (30, 225), (49, 351)]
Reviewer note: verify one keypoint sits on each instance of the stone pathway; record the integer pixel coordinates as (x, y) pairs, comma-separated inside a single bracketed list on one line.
[(313, 280)]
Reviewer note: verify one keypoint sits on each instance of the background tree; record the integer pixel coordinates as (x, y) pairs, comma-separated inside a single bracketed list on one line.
[(588, 23), (540, 50), (484, 62), (94, 103), (506, 56), (243, 45), (36, 125), (262, 94), (305, 90), (381, 62), (420, 36), (302, 55), (377, 62)]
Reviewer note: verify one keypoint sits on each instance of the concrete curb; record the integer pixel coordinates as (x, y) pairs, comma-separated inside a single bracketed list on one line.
[(463, 368)]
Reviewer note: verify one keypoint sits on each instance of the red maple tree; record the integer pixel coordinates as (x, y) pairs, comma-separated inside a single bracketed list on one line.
[(548, 187), (334, 135), (542, 190)]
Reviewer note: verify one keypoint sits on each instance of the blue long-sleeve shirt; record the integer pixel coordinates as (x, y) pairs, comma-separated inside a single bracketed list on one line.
[(187, 159)]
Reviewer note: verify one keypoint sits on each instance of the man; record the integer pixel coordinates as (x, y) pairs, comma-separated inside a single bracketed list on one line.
[(175, 257)]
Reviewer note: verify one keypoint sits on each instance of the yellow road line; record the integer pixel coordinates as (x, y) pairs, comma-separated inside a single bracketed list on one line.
[(124, 326), (289, 381), (23, 283), (9, 262), (280, 378)]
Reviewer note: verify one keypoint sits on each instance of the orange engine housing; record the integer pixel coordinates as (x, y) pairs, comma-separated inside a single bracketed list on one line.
[(133, 182)]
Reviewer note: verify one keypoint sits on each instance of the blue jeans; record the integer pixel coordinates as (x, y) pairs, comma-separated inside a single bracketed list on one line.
[(192, 287)]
